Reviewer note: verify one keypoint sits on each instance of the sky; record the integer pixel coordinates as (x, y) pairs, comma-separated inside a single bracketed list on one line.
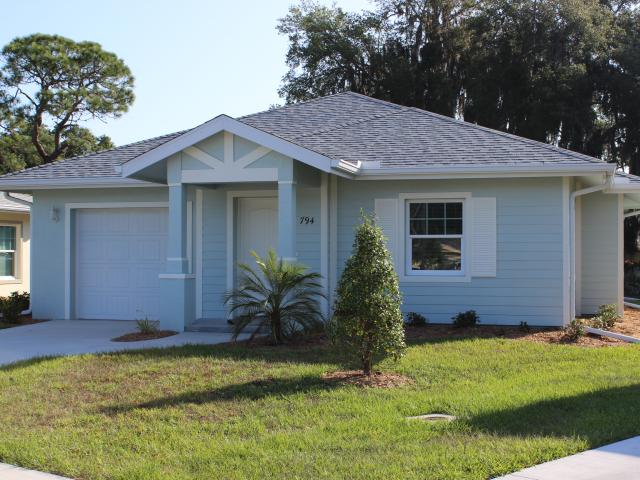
[(192, 60)]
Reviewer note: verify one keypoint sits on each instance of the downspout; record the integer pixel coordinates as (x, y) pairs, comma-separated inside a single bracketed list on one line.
[(572, 240)]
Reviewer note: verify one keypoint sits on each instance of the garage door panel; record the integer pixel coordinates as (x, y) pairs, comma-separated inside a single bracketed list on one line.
[(119, 255)]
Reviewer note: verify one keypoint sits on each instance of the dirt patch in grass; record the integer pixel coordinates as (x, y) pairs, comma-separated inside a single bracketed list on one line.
[(25, 320), (375, 380), (138, 337)]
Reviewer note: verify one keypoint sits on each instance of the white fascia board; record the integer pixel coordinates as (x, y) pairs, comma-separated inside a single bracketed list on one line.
[(56, 183), (369, 173), (227, 124)]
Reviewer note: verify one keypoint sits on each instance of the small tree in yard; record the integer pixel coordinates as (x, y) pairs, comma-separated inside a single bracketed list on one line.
[(367, 316)]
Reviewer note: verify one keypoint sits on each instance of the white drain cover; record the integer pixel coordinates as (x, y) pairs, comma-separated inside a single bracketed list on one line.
[(434, 417)]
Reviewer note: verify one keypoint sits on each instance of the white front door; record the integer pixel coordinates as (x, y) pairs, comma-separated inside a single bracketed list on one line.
[(257, 228), (119, 253)]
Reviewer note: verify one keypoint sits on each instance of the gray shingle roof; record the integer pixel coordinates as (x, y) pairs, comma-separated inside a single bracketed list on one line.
[(95, 165), (351, 127)]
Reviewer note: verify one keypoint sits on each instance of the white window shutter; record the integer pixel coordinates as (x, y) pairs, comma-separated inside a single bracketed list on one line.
[(387, 219), (484, 237)]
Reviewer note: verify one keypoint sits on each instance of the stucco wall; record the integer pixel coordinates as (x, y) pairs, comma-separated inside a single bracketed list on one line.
[(21, 283), (528, 286)]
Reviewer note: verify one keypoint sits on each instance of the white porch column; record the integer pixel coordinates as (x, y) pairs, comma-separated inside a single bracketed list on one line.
[(177, 261), (287, 220), (177, 285)]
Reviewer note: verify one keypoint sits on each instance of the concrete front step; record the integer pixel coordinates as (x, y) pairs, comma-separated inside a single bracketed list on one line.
[(215, 326), (211, 326)]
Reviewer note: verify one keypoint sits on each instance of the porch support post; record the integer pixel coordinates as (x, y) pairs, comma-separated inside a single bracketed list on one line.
[(177, 285), (287, 220)]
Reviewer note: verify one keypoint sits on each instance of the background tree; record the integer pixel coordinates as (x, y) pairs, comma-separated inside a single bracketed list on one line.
[(50, 84), (367, 316), (566, 72)]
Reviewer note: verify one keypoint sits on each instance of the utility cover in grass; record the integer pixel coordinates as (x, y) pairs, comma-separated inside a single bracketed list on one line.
[(434, 417)]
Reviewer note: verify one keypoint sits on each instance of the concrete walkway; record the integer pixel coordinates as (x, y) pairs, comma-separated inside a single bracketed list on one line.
[(70, 337), (10, 472), (616, 461)]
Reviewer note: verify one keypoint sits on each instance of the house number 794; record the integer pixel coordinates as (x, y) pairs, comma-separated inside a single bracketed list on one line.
[(306, 220)]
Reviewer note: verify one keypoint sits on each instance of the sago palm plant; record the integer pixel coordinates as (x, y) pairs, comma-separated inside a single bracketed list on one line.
[(280, 297)]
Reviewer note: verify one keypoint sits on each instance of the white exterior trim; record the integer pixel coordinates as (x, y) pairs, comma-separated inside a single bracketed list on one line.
[(230, 174), (198, 258), (401, 239), (620, 254), (204, 157), (231, 197), (228, 125), (189, 236), (252, 156), (333, 238), (68, 207), (57, 183), (566, 253), (578, 254), (176, 276), (481, 171), (324, 238)]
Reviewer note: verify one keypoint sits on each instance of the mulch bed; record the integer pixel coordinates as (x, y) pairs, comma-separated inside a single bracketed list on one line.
[(138, 337), (375, 380), (25, 320), (630, 323), (537, 335)]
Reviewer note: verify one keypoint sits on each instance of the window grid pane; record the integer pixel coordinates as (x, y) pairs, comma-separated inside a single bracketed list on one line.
[(435, 220), (6, 264), (7, 238)]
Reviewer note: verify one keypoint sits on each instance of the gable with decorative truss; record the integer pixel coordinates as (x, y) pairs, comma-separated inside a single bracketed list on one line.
[(225, 157)]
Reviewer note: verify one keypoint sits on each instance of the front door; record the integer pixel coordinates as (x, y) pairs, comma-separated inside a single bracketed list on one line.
[(257, 228)]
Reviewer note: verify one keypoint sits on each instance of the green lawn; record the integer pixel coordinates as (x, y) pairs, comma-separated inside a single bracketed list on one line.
[(233, 412)]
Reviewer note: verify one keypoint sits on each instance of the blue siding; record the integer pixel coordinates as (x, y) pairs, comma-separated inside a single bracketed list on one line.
[(528, 285), (48, 237), (214, 246), (600, 262)]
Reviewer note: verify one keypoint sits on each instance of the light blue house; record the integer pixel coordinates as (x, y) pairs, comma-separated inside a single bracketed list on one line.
[(474, 218)]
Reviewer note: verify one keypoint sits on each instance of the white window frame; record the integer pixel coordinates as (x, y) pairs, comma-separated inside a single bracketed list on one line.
[(406, 273), (16, 252)]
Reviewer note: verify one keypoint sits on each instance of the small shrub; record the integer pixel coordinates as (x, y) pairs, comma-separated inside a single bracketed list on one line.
[(147, 326), (13, 305), (606, 317), (574, 330), (524, 327), (416, 320), (367, 319), (466, 319)]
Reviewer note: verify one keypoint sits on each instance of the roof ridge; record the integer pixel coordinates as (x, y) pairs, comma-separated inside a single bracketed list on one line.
[(292, 105), (511, 136)]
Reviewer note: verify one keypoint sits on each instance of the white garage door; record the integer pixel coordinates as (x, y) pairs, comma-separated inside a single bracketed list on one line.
[(119, 254)]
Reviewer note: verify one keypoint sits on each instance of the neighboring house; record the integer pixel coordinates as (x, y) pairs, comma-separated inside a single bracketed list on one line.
[(475, 219), (14, 242)]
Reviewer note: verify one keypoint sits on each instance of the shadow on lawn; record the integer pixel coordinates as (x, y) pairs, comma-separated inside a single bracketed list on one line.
[(254, 390), (600, 417)]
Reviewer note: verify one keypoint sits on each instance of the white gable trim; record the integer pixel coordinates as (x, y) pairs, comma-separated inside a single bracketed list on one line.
[(204, 157), (230, 126)]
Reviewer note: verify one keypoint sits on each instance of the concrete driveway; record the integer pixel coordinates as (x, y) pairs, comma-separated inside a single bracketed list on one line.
[(70, 337)]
